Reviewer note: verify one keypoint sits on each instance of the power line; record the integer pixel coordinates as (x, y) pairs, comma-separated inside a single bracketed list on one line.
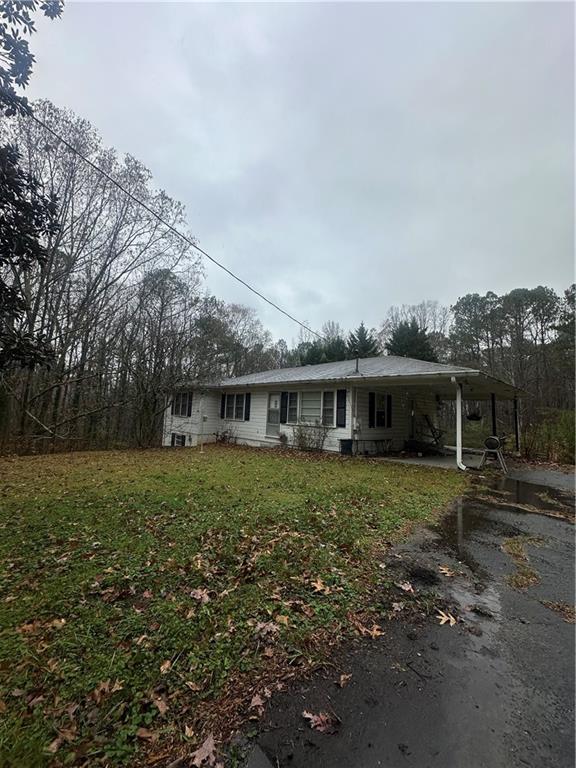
[(169, 226)]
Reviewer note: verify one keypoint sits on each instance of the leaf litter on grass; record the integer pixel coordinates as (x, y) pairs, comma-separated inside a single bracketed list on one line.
[(194, 583)]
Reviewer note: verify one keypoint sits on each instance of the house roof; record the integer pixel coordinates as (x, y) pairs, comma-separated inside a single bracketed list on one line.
[(371, 370), (368, 367)]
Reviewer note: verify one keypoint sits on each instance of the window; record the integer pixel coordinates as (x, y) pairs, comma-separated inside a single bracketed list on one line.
[(239, 407), (288, 407), (182, 404), (328, 409), (292, 416), (379, 410), (235, 407), (178, 440), (311, 407)]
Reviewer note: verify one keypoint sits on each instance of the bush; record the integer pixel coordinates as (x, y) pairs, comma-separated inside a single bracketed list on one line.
[(550, 435), (310, 437)]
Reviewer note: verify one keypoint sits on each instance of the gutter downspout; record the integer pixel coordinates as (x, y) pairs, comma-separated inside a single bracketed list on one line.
[(459, 462)]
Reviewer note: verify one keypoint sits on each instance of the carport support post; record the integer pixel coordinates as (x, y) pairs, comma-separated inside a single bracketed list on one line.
[(459, 427), (493, 408), (516, 425)]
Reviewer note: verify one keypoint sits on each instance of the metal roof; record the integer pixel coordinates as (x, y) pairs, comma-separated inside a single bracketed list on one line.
[(385, 370), (345, 370)]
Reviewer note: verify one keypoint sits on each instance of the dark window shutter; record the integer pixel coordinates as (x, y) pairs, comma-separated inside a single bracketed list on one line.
[(389, 411), (341, 408), (283, 407), (173, 404), (223, 406), (247, 406), (189, 411), (173, 440), (371, 409)]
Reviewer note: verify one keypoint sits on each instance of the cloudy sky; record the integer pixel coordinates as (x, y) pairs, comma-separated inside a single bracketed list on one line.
[(341, 157)]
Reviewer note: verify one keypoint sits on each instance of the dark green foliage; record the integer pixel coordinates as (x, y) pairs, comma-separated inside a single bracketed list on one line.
[(320, 351), (27, 219), (16, 61), (27, 216), (361, 343), (409, 340)]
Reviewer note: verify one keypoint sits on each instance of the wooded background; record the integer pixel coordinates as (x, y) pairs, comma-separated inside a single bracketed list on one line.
[(121, 301)]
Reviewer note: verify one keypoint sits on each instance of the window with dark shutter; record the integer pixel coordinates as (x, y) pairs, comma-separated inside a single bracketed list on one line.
[(222, 406), (341, 408), (247, 407), (182, 404), (389, 411), (371, 409), (283, 407)]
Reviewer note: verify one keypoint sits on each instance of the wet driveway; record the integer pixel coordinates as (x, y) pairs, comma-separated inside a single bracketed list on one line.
[(495, 689)]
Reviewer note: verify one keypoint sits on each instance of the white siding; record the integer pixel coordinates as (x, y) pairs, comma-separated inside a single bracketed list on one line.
[(209, 404), (252, 432)]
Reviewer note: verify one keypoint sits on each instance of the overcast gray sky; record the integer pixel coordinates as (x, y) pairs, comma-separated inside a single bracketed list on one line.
[(341, 157)]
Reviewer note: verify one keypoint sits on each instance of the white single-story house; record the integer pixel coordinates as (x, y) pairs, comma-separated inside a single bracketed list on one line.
[(364, 406)]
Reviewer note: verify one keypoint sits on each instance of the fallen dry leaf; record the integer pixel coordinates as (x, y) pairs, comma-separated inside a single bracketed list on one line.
[(160, 704), (189, 732), (205, 755), (193, 686), (55, 745), (397, 607), (375, 631), (147, 735), (202, 595), (323, 722), (257, 703), (405, 586), (446, 618), (266, 629), (320, 587), (56, 623), (445, 571), (165, 666), (343, 680)]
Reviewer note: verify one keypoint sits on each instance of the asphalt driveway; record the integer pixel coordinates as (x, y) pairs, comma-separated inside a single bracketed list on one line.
[(495, 689)]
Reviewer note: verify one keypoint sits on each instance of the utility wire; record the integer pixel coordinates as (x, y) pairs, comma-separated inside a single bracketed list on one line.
[(170, 227)]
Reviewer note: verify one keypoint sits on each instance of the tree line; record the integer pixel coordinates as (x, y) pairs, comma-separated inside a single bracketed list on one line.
[(120, 302)]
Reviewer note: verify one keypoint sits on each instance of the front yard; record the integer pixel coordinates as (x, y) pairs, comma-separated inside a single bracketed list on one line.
[(151, 598)]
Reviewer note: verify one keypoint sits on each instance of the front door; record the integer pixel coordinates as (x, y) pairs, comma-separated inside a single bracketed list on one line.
[(273, 420)]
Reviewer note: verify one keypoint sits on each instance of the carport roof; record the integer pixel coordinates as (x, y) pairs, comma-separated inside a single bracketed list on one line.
[(384, 370)]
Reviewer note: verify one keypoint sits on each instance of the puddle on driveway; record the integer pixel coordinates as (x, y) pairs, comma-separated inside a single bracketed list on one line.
[(481, 513)]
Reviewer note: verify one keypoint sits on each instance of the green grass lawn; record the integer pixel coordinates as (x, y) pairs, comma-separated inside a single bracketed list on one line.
[(145, 596)]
